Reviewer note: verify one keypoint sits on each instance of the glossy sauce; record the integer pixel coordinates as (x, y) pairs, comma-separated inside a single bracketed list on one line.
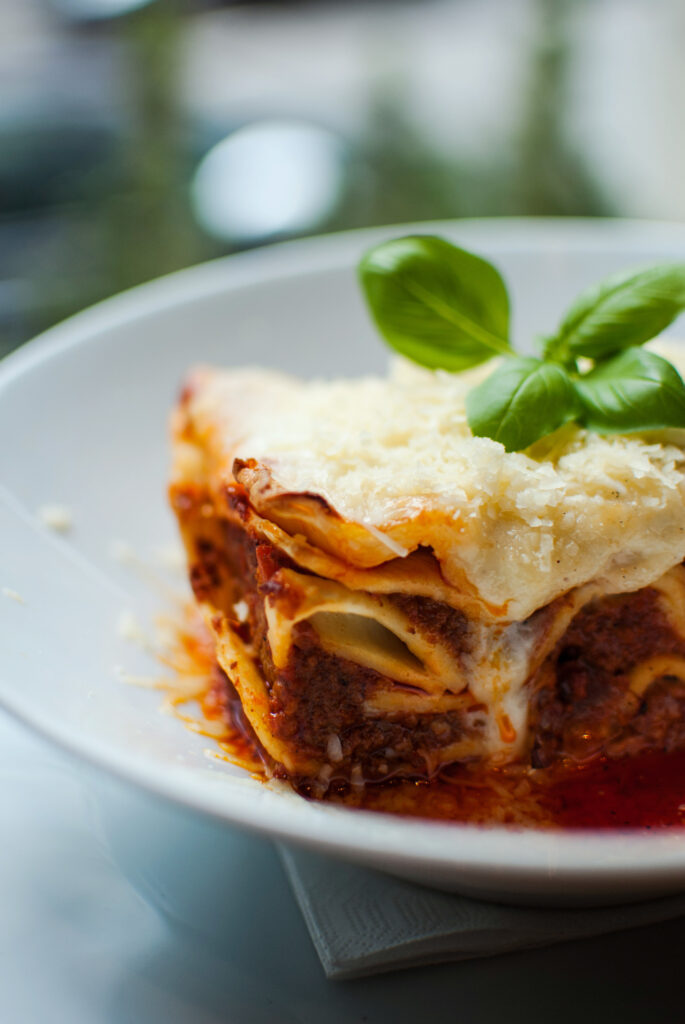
[(640, 792), (646, 792)]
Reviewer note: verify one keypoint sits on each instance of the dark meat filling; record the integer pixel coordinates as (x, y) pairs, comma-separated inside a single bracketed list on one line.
[(436, 620), (585, 706), (318, 695)]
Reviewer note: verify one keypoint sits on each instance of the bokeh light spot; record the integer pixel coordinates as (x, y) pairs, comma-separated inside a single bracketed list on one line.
[(269, 178)]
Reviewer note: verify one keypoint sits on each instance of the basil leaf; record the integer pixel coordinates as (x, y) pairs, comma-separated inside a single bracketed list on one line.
[(435, 303), (521, 401), (636, 390), (625, 309)]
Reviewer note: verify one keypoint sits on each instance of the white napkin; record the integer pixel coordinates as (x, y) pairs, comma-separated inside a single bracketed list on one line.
[(365, 922)]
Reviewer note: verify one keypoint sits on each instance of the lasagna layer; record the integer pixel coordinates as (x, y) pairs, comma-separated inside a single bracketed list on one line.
[(361, 651)]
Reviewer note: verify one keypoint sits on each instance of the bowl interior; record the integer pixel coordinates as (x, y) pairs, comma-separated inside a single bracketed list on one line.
[(84, 412)]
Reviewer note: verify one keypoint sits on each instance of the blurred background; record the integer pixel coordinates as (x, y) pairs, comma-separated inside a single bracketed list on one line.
[(141, 136)]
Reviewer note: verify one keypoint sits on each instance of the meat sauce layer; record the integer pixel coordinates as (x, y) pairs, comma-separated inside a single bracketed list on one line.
[(318, 695), (586, 707)]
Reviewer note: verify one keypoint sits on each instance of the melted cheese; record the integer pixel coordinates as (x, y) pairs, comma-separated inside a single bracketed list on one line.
[(394, 456)]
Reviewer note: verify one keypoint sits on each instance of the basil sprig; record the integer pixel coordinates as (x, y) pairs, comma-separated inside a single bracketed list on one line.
[(500, 407), (438, 305), (635, 387), (446, 308), (625, 309)]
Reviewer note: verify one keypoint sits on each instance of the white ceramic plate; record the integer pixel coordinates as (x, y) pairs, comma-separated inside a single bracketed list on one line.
[(83, 414)]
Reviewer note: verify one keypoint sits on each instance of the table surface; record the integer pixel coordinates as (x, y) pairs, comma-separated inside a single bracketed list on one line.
[(78, 945)]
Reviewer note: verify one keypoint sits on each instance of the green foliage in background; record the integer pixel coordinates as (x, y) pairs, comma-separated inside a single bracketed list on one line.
[(131, 219)]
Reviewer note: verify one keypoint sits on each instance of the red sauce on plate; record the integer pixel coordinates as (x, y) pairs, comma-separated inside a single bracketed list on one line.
[(645, 792), (634, 792)]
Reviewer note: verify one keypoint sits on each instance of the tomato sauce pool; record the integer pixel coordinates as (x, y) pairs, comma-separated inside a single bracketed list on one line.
[(642, 792), (645, 792)]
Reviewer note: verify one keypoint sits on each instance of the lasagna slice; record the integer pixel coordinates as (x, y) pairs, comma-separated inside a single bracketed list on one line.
[(388, 595)]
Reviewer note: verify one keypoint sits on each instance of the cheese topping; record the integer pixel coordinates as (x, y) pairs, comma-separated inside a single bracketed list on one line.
[(395, 456)]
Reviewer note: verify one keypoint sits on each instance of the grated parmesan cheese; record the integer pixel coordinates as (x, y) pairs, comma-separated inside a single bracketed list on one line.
[(395, 455), (56, 517)]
